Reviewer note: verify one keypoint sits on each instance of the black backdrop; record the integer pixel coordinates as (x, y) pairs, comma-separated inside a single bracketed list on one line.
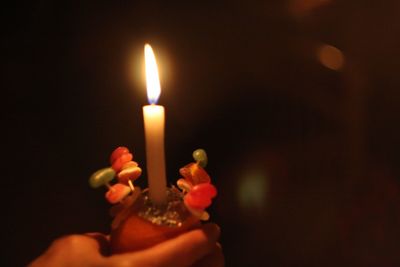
[(304, 153)]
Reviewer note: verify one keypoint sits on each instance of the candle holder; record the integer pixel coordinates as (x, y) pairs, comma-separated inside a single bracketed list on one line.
[(142, 224), (139, 223)]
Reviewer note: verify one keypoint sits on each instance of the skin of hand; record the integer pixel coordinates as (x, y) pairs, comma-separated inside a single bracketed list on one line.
[(196, 248)]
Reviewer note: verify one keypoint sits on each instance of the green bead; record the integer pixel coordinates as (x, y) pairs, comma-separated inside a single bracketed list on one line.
[(101, 177), (200, 156)]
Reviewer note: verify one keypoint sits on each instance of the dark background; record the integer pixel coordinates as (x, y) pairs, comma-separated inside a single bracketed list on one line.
[(302, 144)]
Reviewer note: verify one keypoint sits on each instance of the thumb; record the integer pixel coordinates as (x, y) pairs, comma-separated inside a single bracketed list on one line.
[(103, 242), (71, 250)]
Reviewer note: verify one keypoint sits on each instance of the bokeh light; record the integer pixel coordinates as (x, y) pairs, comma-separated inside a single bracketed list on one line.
[(330, 57), (253, 191)]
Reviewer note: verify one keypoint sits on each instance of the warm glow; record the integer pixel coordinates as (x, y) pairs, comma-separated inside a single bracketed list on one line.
[(301, 8), (152, 80), (330, 57)]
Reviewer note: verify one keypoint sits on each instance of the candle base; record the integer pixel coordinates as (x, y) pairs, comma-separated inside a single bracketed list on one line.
[(144, 224)]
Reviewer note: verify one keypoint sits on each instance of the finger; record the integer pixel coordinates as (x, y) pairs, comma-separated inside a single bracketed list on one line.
[(214, 259), (181, 251), (80, 246), (188, 248)]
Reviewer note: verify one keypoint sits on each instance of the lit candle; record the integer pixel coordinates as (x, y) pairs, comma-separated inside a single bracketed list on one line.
[(154, 121)]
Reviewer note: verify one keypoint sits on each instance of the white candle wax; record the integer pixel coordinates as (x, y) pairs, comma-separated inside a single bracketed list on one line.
[(154, 121)]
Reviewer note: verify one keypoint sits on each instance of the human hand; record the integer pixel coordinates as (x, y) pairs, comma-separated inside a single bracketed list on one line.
[(197, 248)]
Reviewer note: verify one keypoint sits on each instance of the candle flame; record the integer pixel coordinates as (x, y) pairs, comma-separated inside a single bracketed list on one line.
[(152, 79)]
